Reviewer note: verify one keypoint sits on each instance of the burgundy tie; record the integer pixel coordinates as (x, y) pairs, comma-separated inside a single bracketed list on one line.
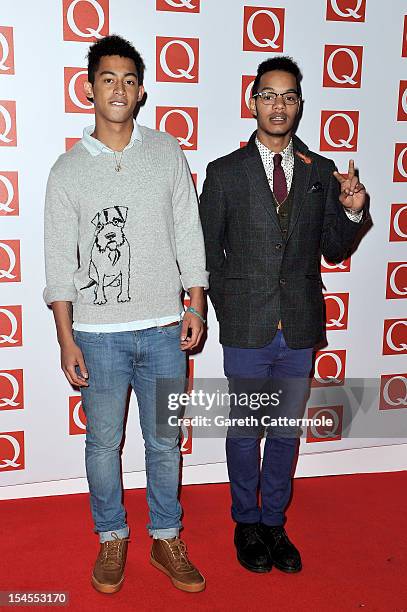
[(279, 182)]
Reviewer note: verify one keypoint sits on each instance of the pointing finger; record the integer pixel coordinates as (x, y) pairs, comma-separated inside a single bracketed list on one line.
[(351, 171)]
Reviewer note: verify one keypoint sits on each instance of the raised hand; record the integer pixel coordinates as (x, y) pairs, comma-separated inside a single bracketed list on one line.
[(353, 193)]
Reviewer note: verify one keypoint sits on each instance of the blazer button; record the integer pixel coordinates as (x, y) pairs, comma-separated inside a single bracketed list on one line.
[(278, 245), (282, 281)]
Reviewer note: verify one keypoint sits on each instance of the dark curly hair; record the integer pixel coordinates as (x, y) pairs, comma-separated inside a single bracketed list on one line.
[(281, 62), (113, 45)]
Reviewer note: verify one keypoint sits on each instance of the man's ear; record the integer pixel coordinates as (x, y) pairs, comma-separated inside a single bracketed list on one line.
[(140, 93), (252, 106), (88, 88)]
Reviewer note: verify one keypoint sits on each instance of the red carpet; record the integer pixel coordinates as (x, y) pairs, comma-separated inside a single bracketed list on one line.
[(351, 531)]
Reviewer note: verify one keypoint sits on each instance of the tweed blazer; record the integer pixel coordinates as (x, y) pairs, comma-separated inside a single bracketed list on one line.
[(258, 275)]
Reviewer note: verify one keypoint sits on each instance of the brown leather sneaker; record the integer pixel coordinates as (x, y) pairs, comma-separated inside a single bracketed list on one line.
[(170, 556), (108, 573)]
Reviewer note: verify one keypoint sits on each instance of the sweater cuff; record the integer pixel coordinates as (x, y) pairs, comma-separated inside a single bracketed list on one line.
[(62, 293), (197, 278)]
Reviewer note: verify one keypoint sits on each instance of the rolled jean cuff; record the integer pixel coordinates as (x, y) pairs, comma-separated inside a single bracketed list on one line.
[(164, 534), (108, 536)]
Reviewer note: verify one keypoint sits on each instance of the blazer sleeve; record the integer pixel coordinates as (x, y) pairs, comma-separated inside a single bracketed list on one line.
[(339, 232), (212, 209)]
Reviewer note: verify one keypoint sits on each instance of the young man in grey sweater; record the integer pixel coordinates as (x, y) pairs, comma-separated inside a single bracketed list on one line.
[(122, 238)]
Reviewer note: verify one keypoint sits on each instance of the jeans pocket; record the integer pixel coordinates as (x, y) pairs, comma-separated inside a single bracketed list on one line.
[(81, 337), (172, 331)]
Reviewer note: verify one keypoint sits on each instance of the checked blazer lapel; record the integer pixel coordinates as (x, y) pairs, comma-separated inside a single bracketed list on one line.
[(258, 179), (303, 166)]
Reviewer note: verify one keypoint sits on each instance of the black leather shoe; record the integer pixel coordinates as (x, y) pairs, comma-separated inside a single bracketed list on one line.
[(252, 552), (283, 553)]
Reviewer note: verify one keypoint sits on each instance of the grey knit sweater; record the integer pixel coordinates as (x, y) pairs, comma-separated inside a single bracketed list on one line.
[(120, 245)]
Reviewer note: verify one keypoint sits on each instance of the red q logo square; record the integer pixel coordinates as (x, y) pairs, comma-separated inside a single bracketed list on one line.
[(85, 20), (9, 201), (179, 6), (404, 44), (342, 66), (8, 124), (11, 451), (396, 287), (395, 337), (10, 267), (75, 98), (186, 439), (11, 390), (337, 308), (400, 163), (177, 60), (329, 368), (190, 375), (247, 84), (393, 391), (402, 108), (346, 10), (327, 426), (339, 131), (6, 50), (10, 326), (77, 418), (398, 223), (343, 266), (181, 122), (263, 29)]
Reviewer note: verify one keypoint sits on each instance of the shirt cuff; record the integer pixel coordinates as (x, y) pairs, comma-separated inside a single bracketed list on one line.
[(353, 215)]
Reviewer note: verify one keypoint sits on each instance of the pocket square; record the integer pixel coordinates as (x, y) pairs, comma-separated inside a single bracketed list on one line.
[(316, 187)]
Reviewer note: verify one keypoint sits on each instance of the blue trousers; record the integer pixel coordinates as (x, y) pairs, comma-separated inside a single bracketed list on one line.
[(289, 369), (116, 361)]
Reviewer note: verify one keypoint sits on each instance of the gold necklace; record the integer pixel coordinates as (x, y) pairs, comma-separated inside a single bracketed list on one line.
[(118, 163)]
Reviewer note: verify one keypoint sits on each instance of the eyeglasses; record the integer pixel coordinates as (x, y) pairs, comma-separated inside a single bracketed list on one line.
[(269, 97)]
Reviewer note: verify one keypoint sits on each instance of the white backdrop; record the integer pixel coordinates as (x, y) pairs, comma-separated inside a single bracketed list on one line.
[(355, 106)]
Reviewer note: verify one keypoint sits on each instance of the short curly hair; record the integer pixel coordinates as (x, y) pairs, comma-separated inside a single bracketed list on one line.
[(280, 62), (113, 45)]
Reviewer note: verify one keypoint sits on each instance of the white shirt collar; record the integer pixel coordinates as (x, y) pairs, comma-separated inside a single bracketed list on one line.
[(95, 147)]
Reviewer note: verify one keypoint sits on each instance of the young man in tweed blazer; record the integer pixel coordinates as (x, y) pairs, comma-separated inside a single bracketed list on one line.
[(268, 211)]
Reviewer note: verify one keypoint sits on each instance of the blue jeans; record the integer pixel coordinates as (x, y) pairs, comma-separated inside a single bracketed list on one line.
[(273, 361), (114, 362)]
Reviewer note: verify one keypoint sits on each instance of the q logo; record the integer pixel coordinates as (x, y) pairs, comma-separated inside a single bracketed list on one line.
[(11, 450), (398, 223), (85, 20), (263, 29), (342, 66), (180, 122), (6, 50), (11, 390), (393, 391), (346, 10), (77, 418), (177, 60), (9, 201), (339, 131), (10, 326), (319, 432), (400, 163), (178, 6), (8, 129), (75, 98), (10, 267)]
